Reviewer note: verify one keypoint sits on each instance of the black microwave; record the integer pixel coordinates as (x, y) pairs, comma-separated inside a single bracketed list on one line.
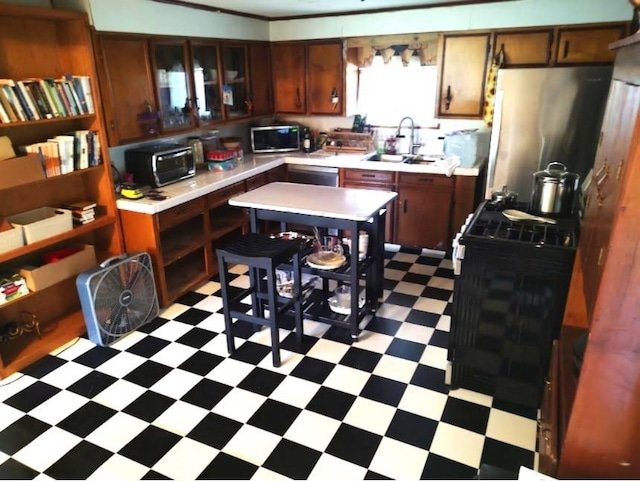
[(160, 164), (275, 138)]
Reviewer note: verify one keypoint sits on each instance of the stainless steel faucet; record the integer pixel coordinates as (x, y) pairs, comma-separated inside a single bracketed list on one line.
[(412, 142)]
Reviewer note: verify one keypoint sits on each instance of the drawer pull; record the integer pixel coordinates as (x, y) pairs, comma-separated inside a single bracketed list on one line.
[(369, 176), (566, 49), (426, 180)]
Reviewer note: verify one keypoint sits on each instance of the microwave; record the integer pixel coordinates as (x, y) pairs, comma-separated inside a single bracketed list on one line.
[(160, 164), (275, 138)]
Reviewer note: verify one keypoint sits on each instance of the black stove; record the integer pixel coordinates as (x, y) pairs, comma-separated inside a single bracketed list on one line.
[(508, 302), (489, 223)]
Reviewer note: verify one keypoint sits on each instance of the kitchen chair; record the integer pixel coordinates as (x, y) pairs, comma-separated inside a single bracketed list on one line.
[(262, 255)]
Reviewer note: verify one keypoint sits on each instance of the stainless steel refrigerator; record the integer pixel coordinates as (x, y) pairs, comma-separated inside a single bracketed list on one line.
[(545, 115)]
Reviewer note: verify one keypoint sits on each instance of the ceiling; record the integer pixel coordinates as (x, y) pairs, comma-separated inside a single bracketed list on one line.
[(288, 9)]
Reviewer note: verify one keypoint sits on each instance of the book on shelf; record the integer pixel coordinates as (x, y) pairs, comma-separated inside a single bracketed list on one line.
[(39, 97), (66, 90), (80, 205), (82, 85), (26, 95), (12, 105), (22, 106), (81, 157), (49, 157), (52, 96), (64, 144), (4, 116)]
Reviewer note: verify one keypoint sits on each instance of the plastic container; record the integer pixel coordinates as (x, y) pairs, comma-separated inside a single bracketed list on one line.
[(468, 145)]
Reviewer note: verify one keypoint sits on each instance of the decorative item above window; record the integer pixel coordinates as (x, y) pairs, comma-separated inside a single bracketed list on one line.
[(361, 50)]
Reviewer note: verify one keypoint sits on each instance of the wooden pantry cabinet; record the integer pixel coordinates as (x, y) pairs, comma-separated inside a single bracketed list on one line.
[(600, 438), (308, 77), (38, 43)]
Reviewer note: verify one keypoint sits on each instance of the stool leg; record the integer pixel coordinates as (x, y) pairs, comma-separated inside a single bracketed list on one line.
[(256, 304), (273, 316), (226, 308), (298, 295)]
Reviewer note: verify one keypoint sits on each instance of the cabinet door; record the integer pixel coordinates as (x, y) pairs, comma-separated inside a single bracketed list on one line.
[(604, 192), (173, 85), (206, 82), (530, 49), (126, 88), (288, 61), (423, 217), (325, 78), (234, 88), (388, 226), (587, 45), (463, 73), (260, 73)]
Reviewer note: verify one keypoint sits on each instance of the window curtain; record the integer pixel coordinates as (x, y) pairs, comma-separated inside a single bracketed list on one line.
[(362, 50)]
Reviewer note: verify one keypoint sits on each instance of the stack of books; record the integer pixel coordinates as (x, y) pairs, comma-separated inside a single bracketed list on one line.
[(63, 154), (82, 211), (45, 98)]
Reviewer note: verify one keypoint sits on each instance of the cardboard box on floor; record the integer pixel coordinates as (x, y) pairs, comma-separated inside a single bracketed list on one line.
[(41, 277), (20, 170)]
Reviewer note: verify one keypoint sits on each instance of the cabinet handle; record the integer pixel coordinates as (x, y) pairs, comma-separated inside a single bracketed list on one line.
[(447, 99), (404, 206), (425, 179), (600, 256), (298, 99), (566, 49), (619, 173), (369, 176), (112, 124)]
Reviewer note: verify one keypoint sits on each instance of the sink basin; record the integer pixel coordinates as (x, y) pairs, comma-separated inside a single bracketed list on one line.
[(399, 158)]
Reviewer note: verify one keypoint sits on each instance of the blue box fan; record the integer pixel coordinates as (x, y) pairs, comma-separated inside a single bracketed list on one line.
[(118, 297)]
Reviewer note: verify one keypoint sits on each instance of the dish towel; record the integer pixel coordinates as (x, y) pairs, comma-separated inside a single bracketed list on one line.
[(449, 164)]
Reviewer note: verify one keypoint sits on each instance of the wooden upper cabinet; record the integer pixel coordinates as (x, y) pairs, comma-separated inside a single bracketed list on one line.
[(126, 86), (260, 92), (288, 61), (234, 69), (587, 45), (325, 73), (205, 59), (524, 49), (462, 75)]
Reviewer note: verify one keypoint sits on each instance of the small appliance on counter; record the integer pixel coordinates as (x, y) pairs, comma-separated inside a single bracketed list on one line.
[(160, 164), (275, 138)]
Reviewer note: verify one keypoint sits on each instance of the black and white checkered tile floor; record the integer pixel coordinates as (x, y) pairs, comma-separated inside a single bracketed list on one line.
[(167, 401)]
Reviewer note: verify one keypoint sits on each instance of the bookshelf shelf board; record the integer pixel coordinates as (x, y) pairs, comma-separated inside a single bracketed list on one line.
[(101, 221), (31, 123)]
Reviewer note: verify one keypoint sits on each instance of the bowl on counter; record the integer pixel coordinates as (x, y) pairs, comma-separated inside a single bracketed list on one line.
[(231, 143)]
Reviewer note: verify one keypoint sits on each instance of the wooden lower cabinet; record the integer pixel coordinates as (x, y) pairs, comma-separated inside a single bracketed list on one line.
[(182, 240), (375, 180), (424, 205)]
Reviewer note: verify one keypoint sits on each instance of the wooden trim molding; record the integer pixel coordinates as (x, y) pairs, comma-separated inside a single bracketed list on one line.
[(211, 8)]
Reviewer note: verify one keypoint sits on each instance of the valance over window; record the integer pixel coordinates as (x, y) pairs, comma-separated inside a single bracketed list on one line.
[(361, 50)]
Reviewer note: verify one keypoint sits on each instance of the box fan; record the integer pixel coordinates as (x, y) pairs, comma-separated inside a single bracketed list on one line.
[(118, 297)]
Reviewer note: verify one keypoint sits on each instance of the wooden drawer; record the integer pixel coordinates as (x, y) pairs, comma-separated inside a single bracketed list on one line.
[(426, 179), (373, 176), (219, 197), (256, 181), (279, 174), (180, 213)]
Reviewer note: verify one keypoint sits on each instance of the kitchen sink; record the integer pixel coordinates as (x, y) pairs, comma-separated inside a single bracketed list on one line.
[(399, 158)]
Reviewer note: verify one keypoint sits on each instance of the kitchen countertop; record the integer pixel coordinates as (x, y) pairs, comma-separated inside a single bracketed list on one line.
[(205, 181)]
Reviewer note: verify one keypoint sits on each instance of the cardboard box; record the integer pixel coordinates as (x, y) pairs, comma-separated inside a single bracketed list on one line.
[(43, 222), (12, 286), (41, 277), (20, 170)]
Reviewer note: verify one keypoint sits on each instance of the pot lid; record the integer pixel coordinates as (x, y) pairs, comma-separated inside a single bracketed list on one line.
[(555, 172)]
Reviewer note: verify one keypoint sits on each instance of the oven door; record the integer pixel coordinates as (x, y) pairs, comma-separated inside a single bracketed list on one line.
[(315, 175), (172, 166)]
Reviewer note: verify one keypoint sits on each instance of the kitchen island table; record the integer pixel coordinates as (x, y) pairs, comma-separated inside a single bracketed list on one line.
[(325, 207)]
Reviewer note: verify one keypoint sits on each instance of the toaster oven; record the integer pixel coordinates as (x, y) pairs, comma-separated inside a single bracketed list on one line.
[(160, 164)]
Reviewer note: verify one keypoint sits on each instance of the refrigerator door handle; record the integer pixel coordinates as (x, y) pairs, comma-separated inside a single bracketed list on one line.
[(495, 139)]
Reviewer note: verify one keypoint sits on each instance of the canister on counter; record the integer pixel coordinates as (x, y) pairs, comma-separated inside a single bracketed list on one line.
[(198, 150)]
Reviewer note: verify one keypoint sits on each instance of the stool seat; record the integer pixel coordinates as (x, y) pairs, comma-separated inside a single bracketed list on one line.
[(262, 255)]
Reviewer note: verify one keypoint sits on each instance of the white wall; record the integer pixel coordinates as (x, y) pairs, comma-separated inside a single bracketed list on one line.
[(144, 16), (520, 13)]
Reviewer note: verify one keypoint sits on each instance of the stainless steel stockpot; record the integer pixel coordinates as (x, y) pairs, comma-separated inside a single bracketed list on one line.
[(554, 190)]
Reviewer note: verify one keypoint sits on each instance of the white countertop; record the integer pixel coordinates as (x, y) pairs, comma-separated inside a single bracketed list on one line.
[(318, 200), (205, 182)]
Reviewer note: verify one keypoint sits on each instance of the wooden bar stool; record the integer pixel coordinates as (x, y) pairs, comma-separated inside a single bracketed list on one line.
[(262, 255)]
